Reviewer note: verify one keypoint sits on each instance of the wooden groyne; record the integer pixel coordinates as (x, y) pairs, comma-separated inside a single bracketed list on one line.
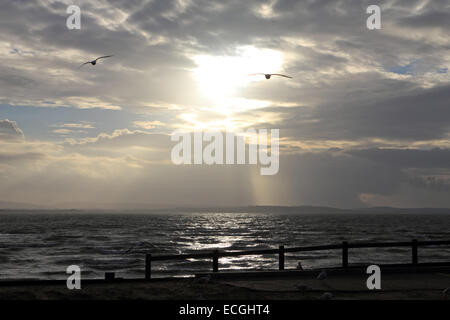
[(215, 255)]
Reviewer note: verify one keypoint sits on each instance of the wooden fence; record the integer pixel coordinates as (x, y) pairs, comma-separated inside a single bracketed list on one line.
[(344, 246)]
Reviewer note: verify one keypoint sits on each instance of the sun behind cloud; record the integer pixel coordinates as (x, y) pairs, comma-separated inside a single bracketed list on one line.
[(220, 77)]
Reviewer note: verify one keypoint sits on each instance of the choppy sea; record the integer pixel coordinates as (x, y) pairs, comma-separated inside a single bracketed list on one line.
[(43, 244)]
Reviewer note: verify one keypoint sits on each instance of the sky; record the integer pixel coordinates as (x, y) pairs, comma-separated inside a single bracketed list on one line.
[(365, 120)]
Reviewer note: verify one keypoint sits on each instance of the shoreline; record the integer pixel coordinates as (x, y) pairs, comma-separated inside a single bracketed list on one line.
[(396, 284)]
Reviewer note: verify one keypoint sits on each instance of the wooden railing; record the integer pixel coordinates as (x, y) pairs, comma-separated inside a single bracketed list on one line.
[(344, 246)]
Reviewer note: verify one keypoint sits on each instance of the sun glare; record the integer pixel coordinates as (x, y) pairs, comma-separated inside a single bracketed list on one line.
[(220, 77)]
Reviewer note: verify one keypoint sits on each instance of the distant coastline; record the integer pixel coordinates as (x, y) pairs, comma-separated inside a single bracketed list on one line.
[(142, 208)]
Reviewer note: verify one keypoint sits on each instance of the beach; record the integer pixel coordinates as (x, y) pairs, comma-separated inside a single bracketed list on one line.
[(428, 284)]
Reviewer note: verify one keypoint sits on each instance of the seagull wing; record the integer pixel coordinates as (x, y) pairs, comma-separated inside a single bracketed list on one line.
[(257, 74), (281, 75), (84, 64), (103, 57)]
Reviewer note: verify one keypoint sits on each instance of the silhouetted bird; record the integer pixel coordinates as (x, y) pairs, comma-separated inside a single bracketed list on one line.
[(268, 75), (94, 62)]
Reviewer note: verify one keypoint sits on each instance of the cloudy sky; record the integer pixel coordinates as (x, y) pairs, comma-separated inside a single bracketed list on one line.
[(365, 121)]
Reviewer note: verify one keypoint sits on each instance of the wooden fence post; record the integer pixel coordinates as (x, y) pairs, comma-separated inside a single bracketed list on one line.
[(215, 260), (148, 266), (415, 257), (281, 257), (345, 254)]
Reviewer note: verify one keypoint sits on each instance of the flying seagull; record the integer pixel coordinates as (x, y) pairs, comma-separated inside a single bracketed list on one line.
[(94, 62), (268, 75)]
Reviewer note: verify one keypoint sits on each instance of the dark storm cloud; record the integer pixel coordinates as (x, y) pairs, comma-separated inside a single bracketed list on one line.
[(422, 114), (431, 19), (406, 158), (434, 14), (336, 179), (431, 183), (214, 26)]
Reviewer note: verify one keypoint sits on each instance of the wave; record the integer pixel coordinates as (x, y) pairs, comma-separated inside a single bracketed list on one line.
[(45, 244)]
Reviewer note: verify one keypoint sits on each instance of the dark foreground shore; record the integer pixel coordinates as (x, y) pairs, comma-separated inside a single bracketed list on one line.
[(403, 285)]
